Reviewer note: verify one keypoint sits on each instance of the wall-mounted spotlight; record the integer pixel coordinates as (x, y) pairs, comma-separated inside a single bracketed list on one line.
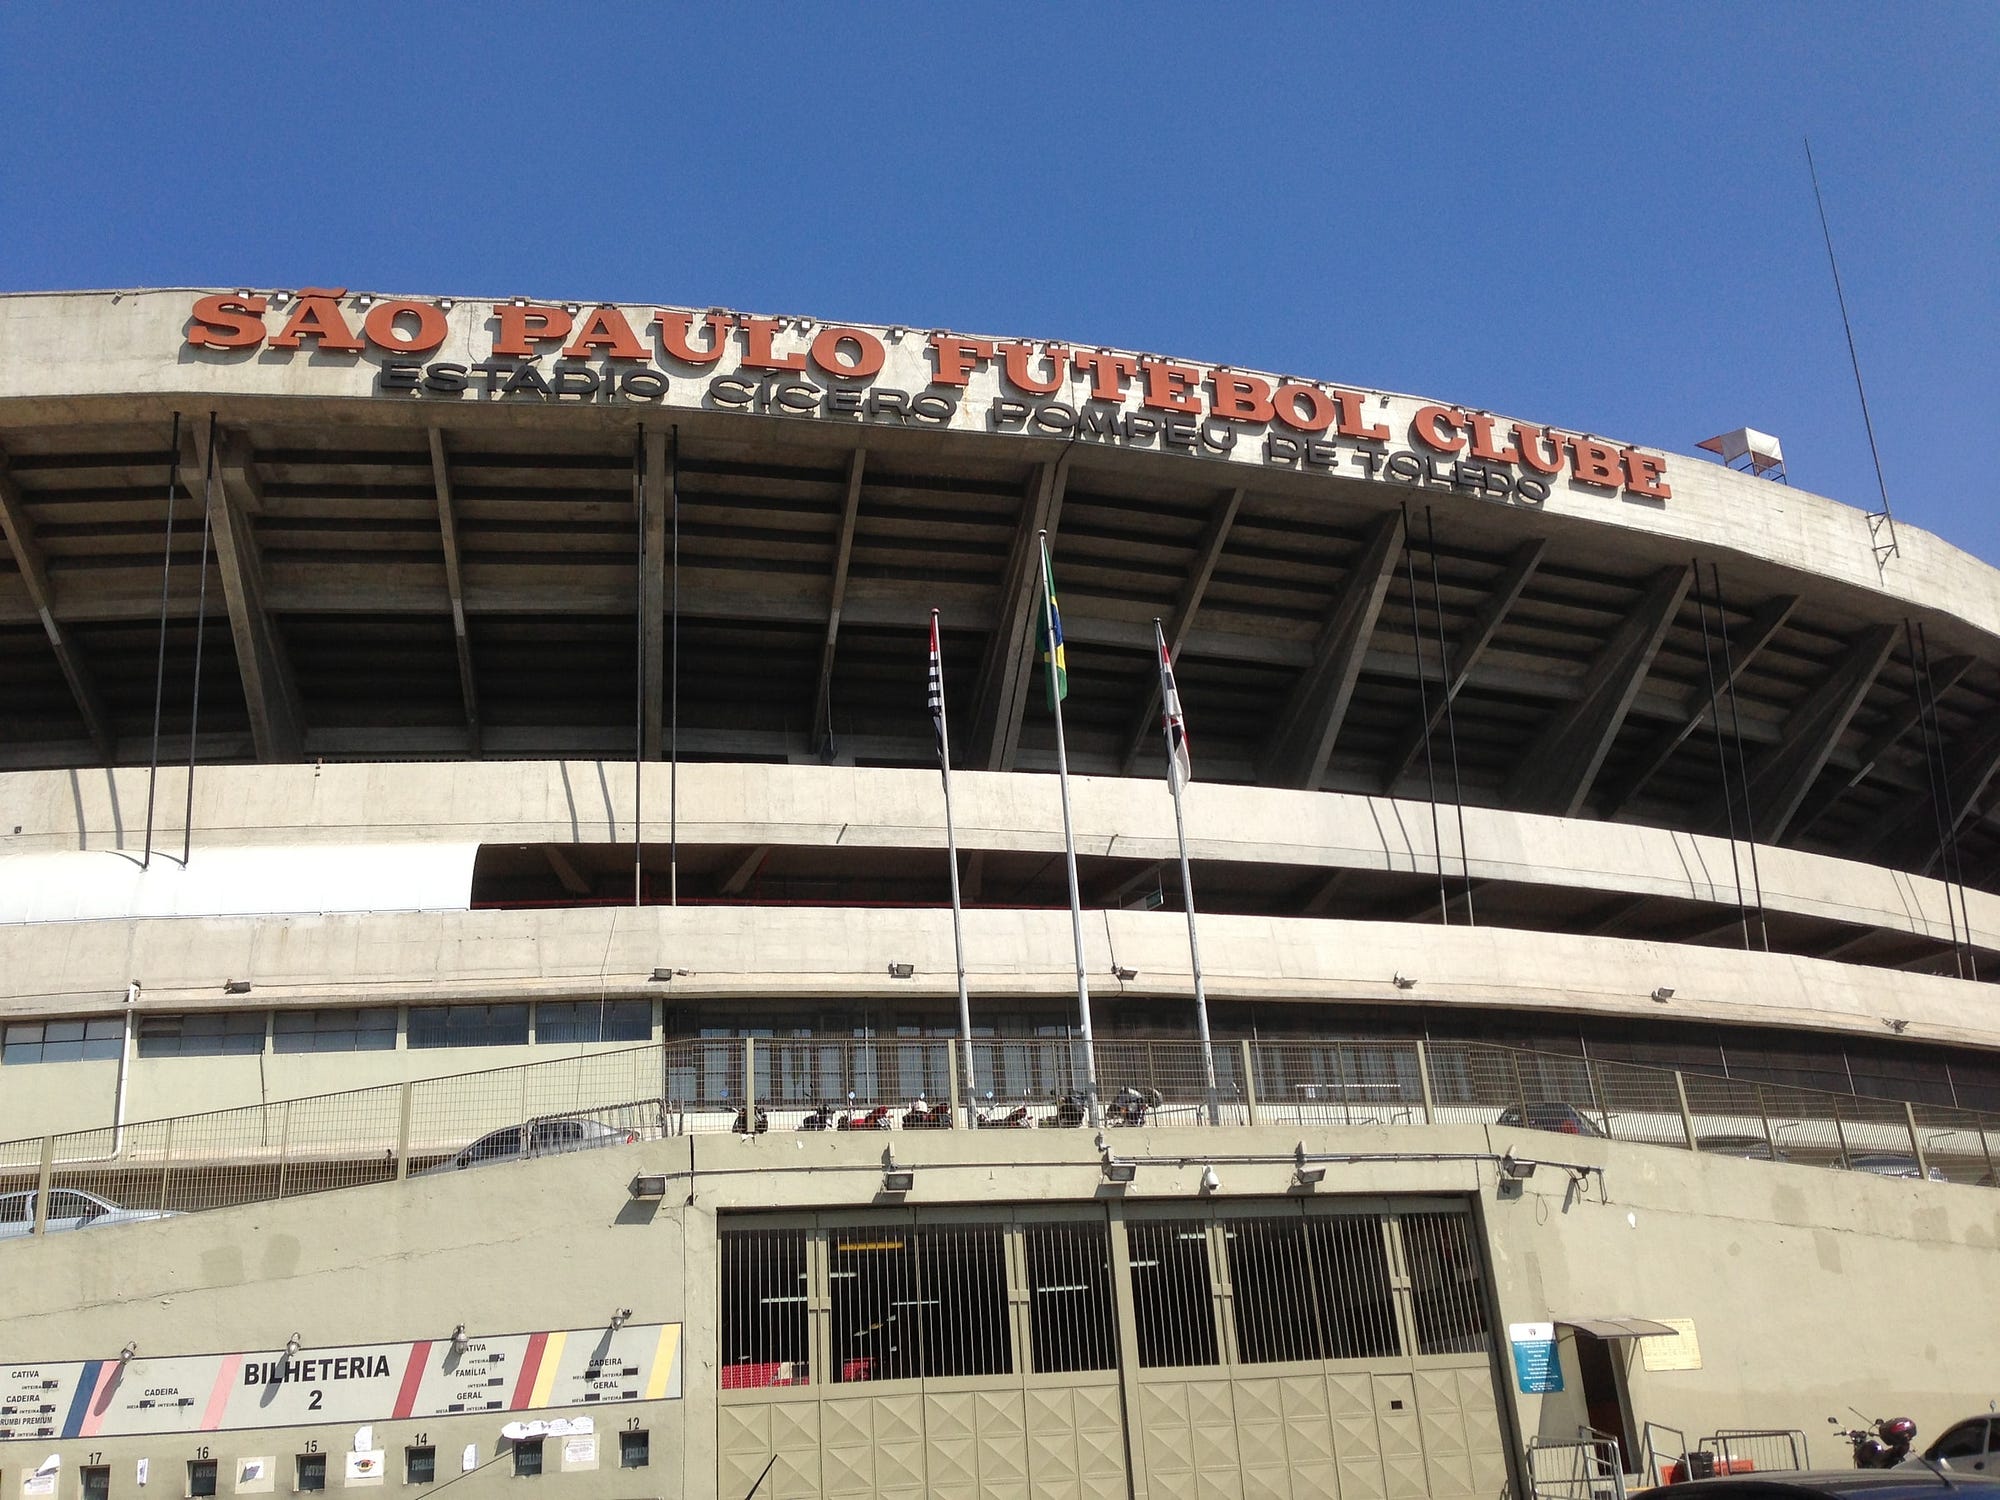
[(459, 1342), (279, 299), (363, 299), (517, 301), (446, 303), (292, 1347), (1664, 993), (129, 1353), (1896, 1024), (236, 987), (1303, 1175), (896, 1179), (1119, 1173), (1404, 981), (620, 1318), (901, 971), (661, 976), (1123, 974), (649, 1185), (1516, 1171), (1210, 1182)]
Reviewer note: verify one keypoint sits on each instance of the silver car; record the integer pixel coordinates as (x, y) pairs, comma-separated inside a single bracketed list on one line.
[(69, 1208), (549, 1136)]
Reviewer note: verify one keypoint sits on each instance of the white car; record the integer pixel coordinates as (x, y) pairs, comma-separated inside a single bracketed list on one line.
[(69, 1208), (549, 1136)]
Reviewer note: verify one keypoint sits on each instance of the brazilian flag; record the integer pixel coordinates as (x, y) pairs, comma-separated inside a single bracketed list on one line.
[(1056, 670)]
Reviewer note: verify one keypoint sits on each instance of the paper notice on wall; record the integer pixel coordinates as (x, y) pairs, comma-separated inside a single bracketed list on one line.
[(144, 1473), (579, 1451), (470, 1460), (365, 1464), (1681, 1352)]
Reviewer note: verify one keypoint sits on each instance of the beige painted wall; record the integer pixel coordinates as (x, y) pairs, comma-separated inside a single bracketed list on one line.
[(1783, 1268)]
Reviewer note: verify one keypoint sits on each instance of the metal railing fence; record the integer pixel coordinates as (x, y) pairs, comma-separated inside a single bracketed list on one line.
[(309, 1145)]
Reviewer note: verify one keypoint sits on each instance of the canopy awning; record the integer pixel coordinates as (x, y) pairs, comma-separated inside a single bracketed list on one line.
[(1619, 1327)]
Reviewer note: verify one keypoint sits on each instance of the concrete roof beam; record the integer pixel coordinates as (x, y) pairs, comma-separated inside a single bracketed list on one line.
[(269, 690), (455, 584), (1556, 772), (1781, 777), (1311, 719), (19, 529)]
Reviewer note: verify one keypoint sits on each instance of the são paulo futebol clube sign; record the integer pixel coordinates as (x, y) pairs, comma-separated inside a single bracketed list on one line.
[(519, 350)]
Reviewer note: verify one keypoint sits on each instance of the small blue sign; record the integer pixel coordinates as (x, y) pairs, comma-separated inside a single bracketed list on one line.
[(1537, 1368)]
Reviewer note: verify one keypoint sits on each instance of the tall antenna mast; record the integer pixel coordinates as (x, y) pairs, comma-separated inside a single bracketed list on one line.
[(1880, 522)]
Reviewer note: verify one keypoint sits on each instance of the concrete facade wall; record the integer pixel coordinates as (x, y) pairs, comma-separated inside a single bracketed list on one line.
[(591, 802), (1808, 1290)]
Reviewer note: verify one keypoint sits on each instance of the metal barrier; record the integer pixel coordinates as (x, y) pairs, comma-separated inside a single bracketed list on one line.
[(1589, 1468), (1660, 1461), (310, 1145), (1760, 1449)]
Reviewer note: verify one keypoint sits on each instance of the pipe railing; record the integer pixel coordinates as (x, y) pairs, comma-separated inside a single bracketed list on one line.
[(308, 1145)]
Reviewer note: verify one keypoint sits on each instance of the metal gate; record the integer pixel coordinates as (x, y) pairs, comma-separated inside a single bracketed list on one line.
[(1308, 1348)]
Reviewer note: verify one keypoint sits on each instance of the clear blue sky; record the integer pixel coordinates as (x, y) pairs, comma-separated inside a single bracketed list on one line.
[(1595, 216)]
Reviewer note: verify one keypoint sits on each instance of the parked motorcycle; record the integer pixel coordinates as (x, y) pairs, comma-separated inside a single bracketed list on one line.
[(874, 1119), (926, 1116), (990, 1119), (819, 1119), (1069, 1112), (742, 1125), (1882, 1444), (1132, 1105)]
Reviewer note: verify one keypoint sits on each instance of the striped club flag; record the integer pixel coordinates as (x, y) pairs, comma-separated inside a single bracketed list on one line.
[(1179, 767), (1057, 667), (936, 691)]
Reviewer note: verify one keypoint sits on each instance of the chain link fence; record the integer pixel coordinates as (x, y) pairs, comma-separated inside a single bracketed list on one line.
[(311, 1145)]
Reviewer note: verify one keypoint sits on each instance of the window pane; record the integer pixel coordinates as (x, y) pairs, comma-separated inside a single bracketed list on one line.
[(1447, 1292), (334, 1030), (594, 1021), (468, 1025), (763, 1308), (874, 1291), (961, 1310), (1069, 1297), (1172, 1298), (1351, 1277), (1275, 1319), (233, 1033)]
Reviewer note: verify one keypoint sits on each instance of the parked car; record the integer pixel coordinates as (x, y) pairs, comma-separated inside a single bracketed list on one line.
[(1912, 1481), (1971, 1446), (1749, 1147), (1547, 1115), (69, 1208), (1890, 1164), (549, 1136)]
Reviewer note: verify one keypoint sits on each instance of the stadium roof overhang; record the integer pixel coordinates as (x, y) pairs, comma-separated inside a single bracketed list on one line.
[(499, 528)]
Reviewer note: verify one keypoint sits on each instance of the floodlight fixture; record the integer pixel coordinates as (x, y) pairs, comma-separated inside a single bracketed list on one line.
[(901, 971), (649, 1185)]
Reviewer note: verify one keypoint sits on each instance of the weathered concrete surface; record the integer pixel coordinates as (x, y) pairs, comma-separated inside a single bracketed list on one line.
[(590, 802)]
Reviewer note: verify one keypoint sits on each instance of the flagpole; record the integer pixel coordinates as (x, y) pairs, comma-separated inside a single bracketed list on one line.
[(1051, 642), (951, 853), (1168, 697)]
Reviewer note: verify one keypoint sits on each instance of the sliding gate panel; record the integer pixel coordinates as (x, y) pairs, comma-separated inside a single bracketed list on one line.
[(961, 1355), (1312, 1348)]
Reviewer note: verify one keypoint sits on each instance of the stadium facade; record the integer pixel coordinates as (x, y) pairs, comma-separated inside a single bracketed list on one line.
[(428, 717)]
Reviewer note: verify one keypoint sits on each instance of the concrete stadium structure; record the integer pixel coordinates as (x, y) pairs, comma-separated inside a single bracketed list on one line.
[(428, 716)]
